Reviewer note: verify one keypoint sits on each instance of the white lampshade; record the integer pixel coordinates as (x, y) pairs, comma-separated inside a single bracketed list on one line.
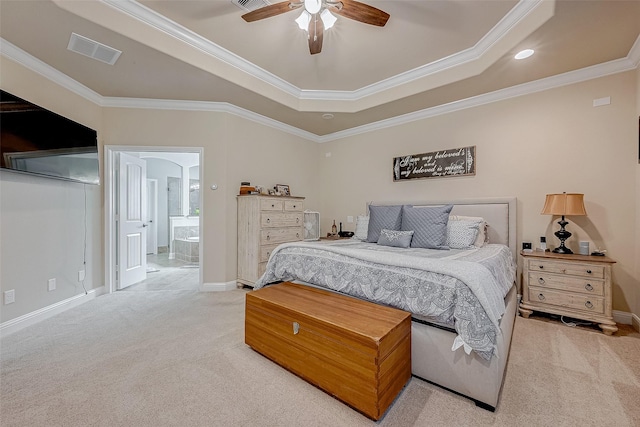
[(327, 19), (303, 20)]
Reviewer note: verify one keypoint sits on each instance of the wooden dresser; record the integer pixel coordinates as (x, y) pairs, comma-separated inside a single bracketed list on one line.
[(355, 350), (263, 223), (577, 286)]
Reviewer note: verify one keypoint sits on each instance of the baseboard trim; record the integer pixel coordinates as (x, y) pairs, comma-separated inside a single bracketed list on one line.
[(626, 318), (218, 287), (14, 325), (635, 322)]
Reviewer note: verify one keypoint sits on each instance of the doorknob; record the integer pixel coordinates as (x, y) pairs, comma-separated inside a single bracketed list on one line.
[(144, 225)]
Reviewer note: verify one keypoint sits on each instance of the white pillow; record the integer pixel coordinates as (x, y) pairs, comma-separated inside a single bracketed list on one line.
[(482, 237), (362, 227), (462, 234)]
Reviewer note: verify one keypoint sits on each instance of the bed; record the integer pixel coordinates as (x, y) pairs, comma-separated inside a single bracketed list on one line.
[(463, 301)]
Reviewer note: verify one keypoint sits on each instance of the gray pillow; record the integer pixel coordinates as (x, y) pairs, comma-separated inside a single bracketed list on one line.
[(396, 239), (389, 217), (429, 225)]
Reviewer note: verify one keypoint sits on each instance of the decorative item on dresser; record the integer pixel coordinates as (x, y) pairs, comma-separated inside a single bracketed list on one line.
[(263, 223), (569, 204), (577, 286)]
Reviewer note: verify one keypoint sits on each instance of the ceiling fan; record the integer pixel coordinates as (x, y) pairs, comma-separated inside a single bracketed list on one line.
[(316, 16)]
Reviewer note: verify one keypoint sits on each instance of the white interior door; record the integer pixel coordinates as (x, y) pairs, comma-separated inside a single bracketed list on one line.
[(132, 226), (152, 216)]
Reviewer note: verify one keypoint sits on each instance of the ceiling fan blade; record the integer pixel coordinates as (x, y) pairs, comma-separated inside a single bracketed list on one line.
[(267, 11), (362, 12), (316, 31)]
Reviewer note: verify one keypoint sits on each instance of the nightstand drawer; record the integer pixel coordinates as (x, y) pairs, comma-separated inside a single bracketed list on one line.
[(577, 302), (572, 269), (280, 219), (571, 284)]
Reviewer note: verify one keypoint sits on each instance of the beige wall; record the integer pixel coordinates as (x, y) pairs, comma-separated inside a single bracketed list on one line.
[(548, 142), (637, 307), (235, 150), (42, 221)]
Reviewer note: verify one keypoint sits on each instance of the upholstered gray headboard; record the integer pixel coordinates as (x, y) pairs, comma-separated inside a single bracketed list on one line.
[(499, 212)]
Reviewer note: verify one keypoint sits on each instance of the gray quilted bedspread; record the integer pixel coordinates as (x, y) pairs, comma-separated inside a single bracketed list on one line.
[(461, 288)]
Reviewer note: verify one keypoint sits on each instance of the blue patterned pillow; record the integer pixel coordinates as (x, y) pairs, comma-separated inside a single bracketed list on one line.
[(396, 239), (389, 217), (429, 225)]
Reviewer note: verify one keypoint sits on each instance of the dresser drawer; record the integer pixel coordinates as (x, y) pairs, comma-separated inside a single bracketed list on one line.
[(265, 252), (591, 304), (280, 235), (268, 219), (293, 205), (271, 205), (572, 269), (262, 267), (572, 284)]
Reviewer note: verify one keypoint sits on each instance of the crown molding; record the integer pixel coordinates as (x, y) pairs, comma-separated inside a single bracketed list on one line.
[(517, 14), (630, 62)]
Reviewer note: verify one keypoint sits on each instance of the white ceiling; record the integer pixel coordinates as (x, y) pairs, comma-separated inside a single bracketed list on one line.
[(431, 55)]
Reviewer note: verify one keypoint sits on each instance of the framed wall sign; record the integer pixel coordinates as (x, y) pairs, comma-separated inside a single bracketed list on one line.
[(437, 164)]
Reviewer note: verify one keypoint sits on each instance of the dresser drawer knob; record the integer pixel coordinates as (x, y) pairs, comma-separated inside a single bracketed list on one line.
[(273, 206), (297, 220), (588, 287), (268, 237), (541, 267), (541, 297), (541, 281), (588, 271), (294, 206), (298, 235), (588, 304), (268, 220)]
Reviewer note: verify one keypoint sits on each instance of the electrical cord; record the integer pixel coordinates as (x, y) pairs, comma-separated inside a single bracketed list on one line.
[(84, 250), (574, 324)]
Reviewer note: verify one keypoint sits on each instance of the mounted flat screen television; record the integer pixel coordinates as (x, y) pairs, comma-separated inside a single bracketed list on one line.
[(37, 141)]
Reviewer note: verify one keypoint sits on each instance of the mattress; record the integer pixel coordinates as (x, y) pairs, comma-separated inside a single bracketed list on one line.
[(462, 289)]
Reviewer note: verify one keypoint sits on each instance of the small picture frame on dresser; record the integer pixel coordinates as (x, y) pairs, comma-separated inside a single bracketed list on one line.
[(283, 189)]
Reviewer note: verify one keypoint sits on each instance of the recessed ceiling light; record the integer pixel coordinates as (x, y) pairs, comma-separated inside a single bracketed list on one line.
[(327, 116), (524, 54)]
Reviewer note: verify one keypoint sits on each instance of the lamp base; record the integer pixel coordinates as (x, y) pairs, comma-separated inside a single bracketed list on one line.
[(562, 250)]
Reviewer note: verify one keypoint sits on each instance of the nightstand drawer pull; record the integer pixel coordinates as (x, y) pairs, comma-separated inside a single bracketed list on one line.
[(268, 220), (541, 297), (268, 237), (541, 267), (541, 281), (588, 304), (273, 206), (588, 287), (589, 271), (297, 220)]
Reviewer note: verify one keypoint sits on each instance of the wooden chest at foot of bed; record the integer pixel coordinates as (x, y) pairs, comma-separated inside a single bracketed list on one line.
[(355, 350)]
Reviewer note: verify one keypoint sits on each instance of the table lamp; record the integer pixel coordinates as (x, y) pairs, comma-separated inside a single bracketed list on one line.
[(564, 204)]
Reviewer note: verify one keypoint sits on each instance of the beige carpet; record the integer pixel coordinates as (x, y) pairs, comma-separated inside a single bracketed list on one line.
[(177, 358)]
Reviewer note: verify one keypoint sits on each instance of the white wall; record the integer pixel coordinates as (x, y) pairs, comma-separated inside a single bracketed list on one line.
[(160, 169)]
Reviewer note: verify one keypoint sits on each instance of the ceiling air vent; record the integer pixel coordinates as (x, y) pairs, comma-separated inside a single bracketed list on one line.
[(93, 49), (250, 5)]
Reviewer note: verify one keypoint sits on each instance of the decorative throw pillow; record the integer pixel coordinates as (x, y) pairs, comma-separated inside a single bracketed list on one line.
[(389, 217), (462, 234), (396, 239), (362, 226), (429, 225), (482, 237)]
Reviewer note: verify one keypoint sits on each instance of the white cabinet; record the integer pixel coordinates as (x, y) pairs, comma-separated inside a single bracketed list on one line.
[(263, 223)]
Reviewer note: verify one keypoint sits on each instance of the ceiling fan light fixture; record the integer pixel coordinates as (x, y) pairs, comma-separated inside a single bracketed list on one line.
[(328, 19), (312, 6), (303, 20)]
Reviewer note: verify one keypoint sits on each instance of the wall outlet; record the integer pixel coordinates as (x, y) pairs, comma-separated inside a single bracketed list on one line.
[(349, 218), (51, 285), (9, 296), (81, 275)]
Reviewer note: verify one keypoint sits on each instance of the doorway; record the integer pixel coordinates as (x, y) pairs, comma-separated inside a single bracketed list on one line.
[(171, 222)]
